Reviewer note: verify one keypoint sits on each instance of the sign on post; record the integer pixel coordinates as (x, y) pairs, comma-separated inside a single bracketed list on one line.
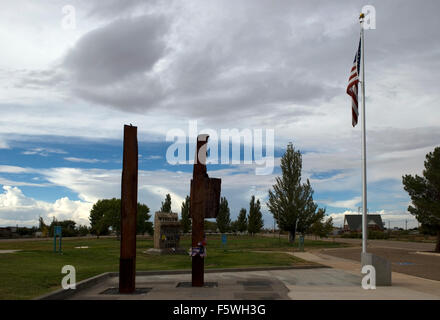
[(57, 232), (301, 243), (224, 240)]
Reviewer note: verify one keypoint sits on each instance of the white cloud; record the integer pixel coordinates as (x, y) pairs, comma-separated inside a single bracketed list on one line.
[(85, 160), (3, 144), (350, 204), (17, 208), (153, 157), (246, 64), (239, 183), (13, 169), (43, 151)]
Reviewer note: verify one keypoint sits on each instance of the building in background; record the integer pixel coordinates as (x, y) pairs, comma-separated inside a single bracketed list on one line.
[(8, 232), (353, 222)]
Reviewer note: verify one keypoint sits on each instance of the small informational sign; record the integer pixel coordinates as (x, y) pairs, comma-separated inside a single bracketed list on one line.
[(224, 239), (57, 231), (301, 243)]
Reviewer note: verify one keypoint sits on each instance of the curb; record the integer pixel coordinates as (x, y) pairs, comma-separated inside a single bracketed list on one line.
[(428, 253), (62, 294)]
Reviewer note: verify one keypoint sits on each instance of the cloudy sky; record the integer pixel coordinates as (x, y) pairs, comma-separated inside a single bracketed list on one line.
[(69, 84)]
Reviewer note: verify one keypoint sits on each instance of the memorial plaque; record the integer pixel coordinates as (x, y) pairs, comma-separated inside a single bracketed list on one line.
[(166, 231)]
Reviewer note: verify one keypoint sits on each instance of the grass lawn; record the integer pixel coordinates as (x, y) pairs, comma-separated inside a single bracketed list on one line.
[(36, 270)]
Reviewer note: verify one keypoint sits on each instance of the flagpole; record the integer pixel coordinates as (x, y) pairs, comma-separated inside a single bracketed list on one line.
[(364, 146)]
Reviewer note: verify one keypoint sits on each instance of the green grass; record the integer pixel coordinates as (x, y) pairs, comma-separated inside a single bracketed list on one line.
[(36, 269)]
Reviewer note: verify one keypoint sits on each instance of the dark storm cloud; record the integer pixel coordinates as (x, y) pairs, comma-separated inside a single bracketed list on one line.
[(242, 58), (215, 59), (400, 139), (119, 50)]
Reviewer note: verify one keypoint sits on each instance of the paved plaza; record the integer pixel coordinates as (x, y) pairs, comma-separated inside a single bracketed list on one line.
[(341, 280)]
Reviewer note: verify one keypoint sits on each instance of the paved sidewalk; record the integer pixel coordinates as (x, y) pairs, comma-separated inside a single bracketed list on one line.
[(376, 243), (340, 282), (405, 261), (403, 286)]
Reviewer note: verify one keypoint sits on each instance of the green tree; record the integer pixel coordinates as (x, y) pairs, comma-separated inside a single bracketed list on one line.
[(67, 227), (143, 225), (242, 223), (210, 226), (234, 226), (166, 205), (255, 218), (106, 214), (185, 221), (224, 216), (321, 228), (43, 227), (425, 194), (290, 201), (83, 230)]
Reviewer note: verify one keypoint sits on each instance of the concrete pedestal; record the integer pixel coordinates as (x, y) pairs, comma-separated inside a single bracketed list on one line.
[(382, 266)]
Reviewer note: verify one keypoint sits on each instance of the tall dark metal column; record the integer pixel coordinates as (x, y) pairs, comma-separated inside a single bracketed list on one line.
[(129, 189), (205, 199), (197, 208)]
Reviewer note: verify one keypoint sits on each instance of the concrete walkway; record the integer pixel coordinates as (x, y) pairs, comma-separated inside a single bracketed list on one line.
[(403, 286), (376, 243), (340, 282)]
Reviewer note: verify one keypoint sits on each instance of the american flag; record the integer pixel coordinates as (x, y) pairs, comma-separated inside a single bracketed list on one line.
[(352, 88)]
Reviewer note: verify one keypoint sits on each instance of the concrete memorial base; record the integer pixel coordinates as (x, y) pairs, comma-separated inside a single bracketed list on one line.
[(382, 266)]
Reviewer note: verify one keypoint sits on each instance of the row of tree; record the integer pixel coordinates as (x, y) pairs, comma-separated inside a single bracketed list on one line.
[(251, 223), (290, 202), (69, 227)]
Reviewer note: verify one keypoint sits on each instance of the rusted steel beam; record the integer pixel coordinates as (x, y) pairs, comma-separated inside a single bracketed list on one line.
[(205, 197), (129, 190)]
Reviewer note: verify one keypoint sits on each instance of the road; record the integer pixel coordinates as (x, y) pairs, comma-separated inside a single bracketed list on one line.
[(394, 244), (404, 256)]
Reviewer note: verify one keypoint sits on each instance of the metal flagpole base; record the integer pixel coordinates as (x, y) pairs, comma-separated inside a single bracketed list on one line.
[(382, 266)]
